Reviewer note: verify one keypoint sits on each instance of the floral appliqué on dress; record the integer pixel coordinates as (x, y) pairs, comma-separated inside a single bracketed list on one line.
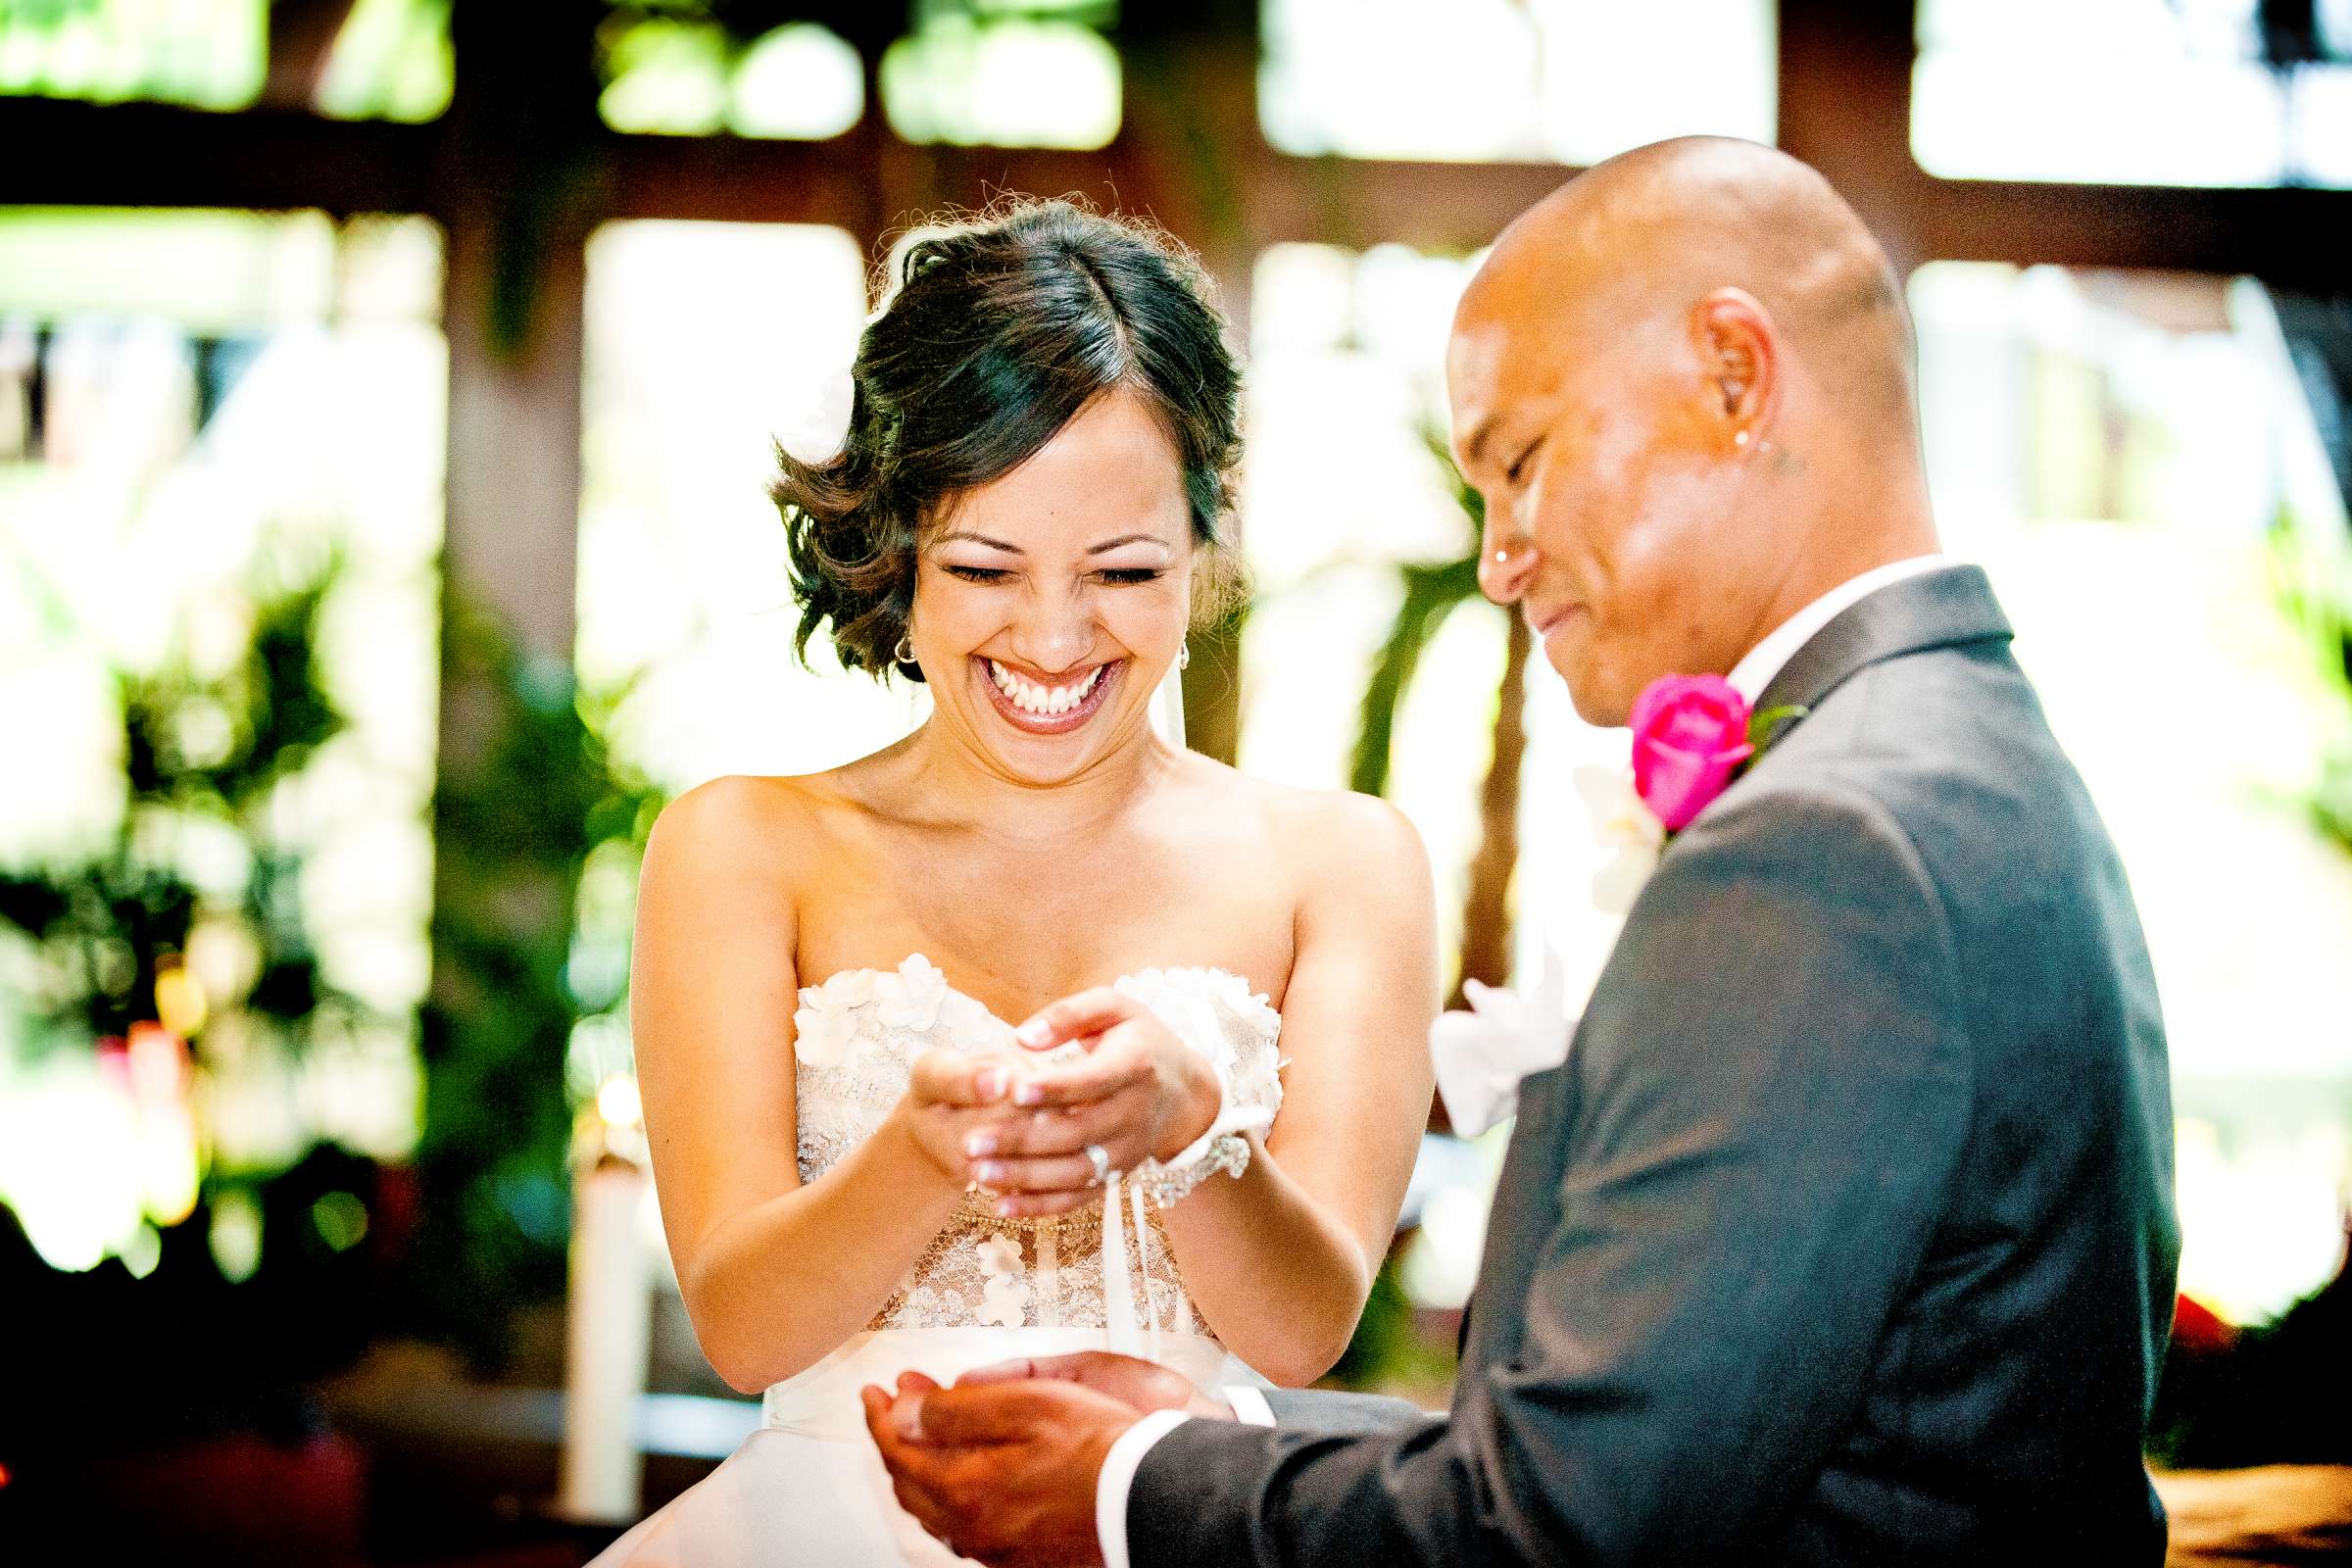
[(855, 1039)]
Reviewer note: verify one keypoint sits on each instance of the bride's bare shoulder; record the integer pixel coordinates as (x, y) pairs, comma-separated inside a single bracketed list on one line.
[(755, 825), (1359, 840)]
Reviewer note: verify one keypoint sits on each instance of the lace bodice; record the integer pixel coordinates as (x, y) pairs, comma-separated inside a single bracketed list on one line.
[(857, 1038)]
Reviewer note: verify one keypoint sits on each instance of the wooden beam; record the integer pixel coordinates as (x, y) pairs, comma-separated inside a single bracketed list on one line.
[(301, 46), (1845, 109), (143, 155), (866, 181), (62, 154), (2270, 234), (1358, 203)]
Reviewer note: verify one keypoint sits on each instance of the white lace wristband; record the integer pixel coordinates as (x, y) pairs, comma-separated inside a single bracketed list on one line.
[(1165, 1184), (1221, 1148)]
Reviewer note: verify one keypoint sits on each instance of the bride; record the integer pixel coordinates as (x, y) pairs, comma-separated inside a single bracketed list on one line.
[(1196, 1147)]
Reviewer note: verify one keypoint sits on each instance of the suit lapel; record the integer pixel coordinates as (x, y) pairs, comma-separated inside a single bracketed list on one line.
[(1935, 609)]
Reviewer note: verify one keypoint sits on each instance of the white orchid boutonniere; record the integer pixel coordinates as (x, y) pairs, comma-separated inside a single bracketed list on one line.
[(1626, 828), (1481, 1054)]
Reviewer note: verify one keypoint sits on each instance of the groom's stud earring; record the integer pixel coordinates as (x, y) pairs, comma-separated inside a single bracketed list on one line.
[(1740, 438), (1184, 655)]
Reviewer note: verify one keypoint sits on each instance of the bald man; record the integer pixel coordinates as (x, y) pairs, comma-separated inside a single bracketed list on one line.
[(1844, 1232)]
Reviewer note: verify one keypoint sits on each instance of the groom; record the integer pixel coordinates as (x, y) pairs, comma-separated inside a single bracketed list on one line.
[(1844, 1232)]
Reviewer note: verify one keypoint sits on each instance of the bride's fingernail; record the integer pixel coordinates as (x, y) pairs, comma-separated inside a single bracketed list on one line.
[(1033, 1033), (1029, 1095), (991, 1083), (1004, 1208), (979, 1144), (990, 1171)]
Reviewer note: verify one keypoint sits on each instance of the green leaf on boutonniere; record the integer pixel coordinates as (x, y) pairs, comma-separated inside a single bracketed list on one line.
[(1765, 727)]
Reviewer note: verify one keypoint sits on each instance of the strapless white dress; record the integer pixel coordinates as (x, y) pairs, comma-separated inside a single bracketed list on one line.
[(808, 1488)]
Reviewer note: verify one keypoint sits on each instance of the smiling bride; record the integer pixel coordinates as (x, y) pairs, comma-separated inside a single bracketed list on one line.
[(1194, 1145)]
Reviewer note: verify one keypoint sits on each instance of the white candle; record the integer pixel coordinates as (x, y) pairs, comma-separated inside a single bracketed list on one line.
[(606, 1342)]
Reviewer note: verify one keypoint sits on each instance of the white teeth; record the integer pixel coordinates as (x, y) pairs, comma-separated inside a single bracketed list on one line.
[(1044, 702)]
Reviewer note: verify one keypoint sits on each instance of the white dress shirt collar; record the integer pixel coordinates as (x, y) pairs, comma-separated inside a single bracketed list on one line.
[(1752, 675)]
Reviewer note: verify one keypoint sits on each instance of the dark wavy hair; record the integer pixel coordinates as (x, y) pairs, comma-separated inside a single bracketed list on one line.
[(997, 332)]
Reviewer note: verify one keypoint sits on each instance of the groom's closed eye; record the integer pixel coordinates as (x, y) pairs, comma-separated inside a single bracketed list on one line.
[(1519, 463)]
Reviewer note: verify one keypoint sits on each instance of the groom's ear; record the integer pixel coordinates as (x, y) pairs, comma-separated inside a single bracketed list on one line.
[(1738, 350)]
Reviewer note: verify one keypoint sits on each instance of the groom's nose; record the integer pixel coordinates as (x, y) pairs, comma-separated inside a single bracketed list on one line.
[(1506, 559)]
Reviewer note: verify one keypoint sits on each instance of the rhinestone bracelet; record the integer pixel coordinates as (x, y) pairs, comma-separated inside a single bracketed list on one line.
[(1163, 1185)]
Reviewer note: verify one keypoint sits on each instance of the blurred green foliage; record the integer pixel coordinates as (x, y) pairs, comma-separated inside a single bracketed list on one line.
[(198, 752), (1433, 591), (514, 822), (2314, 578), (210, 840)]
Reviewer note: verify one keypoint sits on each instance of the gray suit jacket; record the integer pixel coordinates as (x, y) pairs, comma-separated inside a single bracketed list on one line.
[(1845, 1232)]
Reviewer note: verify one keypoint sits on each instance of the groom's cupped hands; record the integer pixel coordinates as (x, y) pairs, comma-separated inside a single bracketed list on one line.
[(1003, 1471), (1005, 1465), (1142, 1385)]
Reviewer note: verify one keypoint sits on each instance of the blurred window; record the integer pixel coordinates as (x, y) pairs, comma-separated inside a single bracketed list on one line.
[(1476, 80), (193, 405), (208, 53), (686, 76), (2131, 92), (997, 73), (389, 59), (1006, 74), (708, 343), (2130, 456)]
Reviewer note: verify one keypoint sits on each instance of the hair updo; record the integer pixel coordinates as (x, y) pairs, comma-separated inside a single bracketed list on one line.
[(998, 331)]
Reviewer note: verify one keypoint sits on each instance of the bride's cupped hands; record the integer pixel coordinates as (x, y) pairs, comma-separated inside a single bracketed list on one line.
[(1099, 1085)]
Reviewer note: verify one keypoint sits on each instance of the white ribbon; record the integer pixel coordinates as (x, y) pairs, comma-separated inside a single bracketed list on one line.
[(1119, 1285), (1118, 1290)]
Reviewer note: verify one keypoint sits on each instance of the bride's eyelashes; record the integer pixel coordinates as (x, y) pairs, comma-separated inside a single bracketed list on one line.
[(1116, 576)]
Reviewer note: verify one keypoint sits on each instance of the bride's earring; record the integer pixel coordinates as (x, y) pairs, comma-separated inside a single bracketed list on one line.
[(905, 650), (1184, 655)]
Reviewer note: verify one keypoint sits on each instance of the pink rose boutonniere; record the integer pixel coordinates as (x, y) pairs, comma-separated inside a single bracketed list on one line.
[(1690, 739), (1693, 735)]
